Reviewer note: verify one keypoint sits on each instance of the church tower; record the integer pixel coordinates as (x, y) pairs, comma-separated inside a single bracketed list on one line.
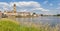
[(14, 10)]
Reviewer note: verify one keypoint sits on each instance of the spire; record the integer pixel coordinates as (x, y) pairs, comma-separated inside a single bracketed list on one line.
[(14, 8)]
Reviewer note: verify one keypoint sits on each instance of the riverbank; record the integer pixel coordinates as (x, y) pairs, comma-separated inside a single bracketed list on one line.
[(11, 25), (8, 25)]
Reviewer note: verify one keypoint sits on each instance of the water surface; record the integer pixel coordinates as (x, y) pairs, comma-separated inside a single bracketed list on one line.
[(53, 20)]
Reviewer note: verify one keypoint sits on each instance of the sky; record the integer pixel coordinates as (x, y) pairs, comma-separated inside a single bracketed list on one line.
[(48, 7)]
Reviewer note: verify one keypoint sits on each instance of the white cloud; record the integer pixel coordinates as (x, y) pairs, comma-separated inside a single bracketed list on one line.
[(3, 3), (42, 9), (26, 4), (23, 6), (4, 6)]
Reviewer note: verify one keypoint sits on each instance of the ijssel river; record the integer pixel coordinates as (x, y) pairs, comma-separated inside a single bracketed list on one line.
[(53, 20)]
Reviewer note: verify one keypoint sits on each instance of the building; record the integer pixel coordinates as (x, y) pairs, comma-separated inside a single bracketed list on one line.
[(13, 12), (0, 14), (23, 13), (14, 8)]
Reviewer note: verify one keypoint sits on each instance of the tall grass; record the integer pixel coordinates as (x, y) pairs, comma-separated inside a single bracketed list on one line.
[(10, 25)]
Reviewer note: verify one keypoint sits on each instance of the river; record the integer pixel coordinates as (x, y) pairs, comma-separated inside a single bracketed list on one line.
[(53, 20)]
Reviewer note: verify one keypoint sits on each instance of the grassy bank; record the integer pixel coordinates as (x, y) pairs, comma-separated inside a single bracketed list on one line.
[(10, 25)]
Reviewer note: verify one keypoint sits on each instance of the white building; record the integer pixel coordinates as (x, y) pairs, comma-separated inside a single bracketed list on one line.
[(23, 13)]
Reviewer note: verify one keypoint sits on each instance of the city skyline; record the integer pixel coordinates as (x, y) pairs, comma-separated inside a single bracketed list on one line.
[(37, 6)]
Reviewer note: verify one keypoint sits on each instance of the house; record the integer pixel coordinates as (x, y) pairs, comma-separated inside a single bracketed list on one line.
[(9, 13), (23, 13), (0, 14)]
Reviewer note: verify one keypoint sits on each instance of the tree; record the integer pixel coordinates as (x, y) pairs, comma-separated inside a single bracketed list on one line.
[(58, 14), (34, 13), (41, 14)]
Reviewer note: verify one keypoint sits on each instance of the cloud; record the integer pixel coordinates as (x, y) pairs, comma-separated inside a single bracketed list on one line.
[(22, 6), (3, 3), (41, 9), (26, 4)]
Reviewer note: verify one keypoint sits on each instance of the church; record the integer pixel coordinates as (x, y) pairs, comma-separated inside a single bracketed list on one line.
[(13, 12)]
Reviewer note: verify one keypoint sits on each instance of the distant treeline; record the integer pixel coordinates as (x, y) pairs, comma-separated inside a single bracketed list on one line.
[(50, 15), (57, 15)]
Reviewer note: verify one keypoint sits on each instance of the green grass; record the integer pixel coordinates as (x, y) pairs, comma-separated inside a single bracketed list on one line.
[(7, 25), (10, 25)]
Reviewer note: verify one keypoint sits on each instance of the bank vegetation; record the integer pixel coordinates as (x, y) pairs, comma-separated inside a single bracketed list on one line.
[(10, 25)]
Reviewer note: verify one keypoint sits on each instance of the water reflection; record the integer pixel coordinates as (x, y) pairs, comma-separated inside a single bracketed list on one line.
[(42, 19)]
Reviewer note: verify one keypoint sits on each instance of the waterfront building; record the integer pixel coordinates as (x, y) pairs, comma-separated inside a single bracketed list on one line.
[(0, 14), (13, 12), (23, 13), (14, 8)]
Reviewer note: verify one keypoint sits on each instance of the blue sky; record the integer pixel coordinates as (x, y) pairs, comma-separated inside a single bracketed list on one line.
[(38, 6)]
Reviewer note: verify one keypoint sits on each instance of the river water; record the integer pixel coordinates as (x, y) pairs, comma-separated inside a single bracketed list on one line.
[(53, 20)]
